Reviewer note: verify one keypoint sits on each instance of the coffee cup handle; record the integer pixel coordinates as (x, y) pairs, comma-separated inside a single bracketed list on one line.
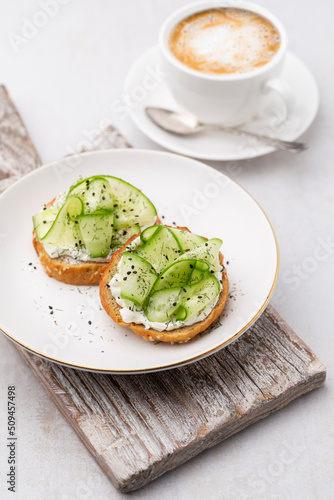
[(283, 89)]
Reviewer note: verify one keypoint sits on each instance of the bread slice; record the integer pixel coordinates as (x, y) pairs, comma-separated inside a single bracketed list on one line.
[(81, 273), (178, 335)]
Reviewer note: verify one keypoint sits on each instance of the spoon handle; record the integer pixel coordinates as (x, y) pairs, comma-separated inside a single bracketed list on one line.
[(291, 146)]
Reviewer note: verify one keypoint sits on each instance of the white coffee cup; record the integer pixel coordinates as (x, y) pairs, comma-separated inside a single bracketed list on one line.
[(223, 98)]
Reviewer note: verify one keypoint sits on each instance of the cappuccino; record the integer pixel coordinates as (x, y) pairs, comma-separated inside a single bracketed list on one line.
[(224, 41)]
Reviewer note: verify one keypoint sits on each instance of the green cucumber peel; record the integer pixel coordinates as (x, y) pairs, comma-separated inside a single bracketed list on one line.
[(96, 230), (170, 304), (162, 248), (100, 196), (137, 278), (64, 231), (43, 221)]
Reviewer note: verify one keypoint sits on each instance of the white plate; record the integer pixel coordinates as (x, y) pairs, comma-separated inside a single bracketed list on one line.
[(185, 192), (146, 86)]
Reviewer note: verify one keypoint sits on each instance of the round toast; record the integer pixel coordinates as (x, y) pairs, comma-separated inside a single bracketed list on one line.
[(178, 335)]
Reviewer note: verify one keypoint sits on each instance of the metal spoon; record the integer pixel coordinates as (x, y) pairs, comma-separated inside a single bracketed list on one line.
[(186, 124)]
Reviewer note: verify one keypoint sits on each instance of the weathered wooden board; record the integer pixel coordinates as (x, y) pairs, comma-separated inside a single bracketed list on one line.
[(140, 426)]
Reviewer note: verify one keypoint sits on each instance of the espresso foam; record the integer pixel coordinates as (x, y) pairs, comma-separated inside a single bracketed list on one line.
[(226, 40)]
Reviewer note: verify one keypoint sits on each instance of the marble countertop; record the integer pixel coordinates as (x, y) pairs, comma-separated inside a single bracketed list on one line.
[(65, 80)]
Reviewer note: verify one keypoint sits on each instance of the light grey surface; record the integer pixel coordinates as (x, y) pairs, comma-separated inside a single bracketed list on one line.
[(66, 80)]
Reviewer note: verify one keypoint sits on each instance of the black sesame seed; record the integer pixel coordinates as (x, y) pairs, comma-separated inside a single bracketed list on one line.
[(50, 307), (221, 281), (76, 244), (104, 186), (80, 242), (117, 217), (174, 303), (162, 277), (130, 258), (103, 197), (174, 223), (76, 222), (51, 312), (123, 210), (211, 271), (191, 266), (200, 297), (116, 205), (188, 298), (129, 272), (124, 233), (30, 264), (206, 244), (44, 221), (107, 285), (132, 267), (134, 272), (93, 194), (35, 267), (124, 279), (162, 216), (132, 209), (89, 322), (227, 262), (87, 203)]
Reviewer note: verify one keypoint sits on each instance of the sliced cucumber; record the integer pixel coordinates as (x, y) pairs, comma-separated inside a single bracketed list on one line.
[(95, 193), (182, 303), (208, 252), (137, 278), (200, 295), (64, 232), (97, 196), (96, 230), (121, 236), (197, 274), (161, 249), (162, 305), (177, 274), (43, 221), (187, 240), (131, 206), (148, 233)]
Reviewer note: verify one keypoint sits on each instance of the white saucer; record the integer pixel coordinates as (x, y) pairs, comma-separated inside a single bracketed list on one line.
[(145, 86)]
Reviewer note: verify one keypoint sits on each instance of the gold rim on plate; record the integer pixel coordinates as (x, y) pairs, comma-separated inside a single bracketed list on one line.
[(170, 365)]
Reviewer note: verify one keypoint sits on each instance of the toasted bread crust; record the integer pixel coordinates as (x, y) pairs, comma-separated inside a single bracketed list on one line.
[(178, 335), (82, 273)]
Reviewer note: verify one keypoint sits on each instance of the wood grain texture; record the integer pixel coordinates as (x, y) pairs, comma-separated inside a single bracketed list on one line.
[(140, 426), (17, 153)]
